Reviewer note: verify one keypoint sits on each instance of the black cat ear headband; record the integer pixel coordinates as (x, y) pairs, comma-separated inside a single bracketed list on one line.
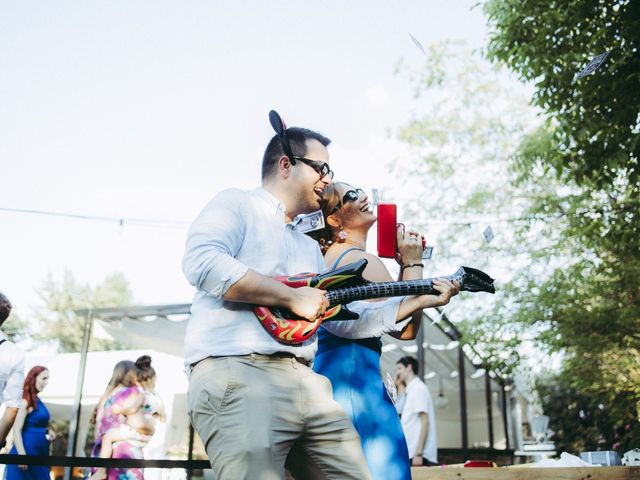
[(281, 130)]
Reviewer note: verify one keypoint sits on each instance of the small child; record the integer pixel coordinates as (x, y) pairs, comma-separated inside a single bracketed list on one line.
[(139, 426)]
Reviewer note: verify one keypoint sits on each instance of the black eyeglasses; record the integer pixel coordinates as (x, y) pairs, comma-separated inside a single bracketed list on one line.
[(349, 196), (321, 168)]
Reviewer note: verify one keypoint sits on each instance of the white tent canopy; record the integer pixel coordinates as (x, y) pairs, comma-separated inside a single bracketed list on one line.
[(159, 333), (162, 328)]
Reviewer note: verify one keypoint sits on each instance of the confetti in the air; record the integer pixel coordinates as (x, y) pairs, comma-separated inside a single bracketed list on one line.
[(488, 234), (593, 65), (418, 44)]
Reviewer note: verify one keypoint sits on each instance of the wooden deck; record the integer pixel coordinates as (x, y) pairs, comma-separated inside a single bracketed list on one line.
[(526, 473)]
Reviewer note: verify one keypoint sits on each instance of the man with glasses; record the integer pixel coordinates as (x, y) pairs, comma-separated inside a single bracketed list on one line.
[(254, 401)]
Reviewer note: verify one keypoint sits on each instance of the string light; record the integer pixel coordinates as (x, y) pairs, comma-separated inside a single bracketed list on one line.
[(121, 221)]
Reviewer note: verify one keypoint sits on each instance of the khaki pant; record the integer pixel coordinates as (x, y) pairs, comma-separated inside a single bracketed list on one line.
[(251, 411)]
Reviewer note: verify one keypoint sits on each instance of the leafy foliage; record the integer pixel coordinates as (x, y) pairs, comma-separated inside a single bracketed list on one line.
[(469, 119), (595, 120), (562, 194), (589, 306), (592, 418), (15, 328), (64, 328)]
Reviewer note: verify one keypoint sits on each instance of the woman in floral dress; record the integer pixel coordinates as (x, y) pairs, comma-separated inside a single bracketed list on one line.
[(123, 395)]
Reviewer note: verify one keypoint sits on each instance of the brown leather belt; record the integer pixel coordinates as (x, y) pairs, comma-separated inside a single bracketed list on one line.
[(260, 355), (287, 355)]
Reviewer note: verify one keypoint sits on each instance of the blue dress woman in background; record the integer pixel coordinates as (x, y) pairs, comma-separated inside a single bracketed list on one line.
[(33, 432)]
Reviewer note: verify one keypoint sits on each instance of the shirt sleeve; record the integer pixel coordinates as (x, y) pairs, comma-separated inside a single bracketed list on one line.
[(375, 319), (214, 239), (12, 395), (422, 400)]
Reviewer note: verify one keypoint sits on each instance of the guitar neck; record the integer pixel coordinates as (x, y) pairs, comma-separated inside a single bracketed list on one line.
[(381, 290)]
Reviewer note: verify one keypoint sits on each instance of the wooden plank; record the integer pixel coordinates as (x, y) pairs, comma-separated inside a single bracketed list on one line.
[(526, 473)]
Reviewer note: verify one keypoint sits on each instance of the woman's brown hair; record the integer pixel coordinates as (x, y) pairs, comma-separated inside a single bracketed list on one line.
[(121, 376), (331, 203)]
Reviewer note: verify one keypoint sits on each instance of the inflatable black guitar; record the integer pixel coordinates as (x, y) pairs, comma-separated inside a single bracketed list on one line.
[(345, 285)]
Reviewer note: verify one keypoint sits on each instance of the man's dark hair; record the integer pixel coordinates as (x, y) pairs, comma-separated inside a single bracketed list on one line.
[(5, 308), (297, 138), (406, 361)]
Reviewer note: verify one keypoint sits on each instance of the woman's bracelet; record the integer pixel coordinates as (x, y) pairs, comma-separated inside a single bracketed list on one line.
[(402, 269)]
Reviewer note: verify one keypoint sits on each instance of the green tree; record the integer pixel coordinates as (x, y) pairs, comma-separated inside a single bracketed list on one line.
[(594, 120), (469, 119), (62, 327), (579, 422), (585, 416), (15, 328), (589, 306)]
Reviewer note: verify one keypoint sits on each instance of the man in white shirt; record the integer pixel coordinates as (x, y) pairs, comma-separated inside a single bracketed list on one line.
[(11, 375), (254, 401), (417, 417)]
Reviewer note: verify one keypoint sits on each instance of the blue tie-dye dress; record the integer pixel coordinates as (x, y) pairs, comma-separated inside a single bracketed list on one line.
[(353, 367)]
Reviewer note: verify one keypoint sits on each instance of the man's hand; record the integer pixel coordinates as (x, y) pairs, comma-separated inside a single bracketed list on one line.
[(416, 461), (309, 303)]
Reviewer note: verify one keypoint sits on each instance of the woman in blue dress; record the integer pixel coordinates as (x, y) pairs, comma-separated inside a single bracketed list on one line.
[(30, 430), (353, 366)]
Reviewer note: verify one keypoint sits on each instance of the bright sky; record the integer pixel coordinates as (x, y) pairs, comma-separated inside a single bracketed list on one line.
[(144, 110)]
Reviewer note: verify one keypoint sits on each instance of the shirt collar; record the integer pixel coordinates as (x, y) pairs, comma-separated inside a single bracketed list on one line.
[(271, 200), (3, 336), (412, 382), (277, 206)]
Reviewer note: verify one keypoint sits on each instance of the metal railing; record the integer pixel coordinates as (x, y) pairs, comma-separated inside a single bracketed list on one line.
[(64, 461)]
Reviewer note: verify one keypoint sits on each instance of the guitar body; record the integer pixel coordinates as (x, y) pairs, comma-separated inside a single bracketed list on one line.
[(286, 327), (345, 285)]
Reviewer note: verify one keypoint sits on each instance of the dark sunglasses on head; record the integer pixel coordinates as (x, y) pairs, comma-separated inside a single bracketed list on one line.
[(321, 168), (349, 196)]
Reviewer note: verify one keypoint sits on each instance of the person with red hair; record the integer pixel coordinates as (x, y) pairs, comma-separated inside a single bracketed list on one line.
[(30, 430)]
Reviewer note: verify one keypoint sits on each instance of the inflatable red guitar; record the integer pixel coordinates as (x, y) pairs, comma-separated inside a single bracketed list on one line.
[(346, 285)]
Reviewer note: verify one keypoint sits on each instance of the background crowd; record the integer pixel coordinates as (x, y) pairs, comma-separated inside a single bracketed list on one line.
[(125, 417)]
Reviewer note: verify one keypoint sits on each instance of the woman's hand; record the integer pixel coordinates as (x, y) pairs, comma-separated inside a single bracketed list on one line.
[(447, 290), (409, 246)]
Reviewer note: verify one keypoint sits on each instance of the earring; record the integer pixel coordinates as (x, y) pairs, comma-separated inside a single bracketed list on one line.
[(342, 236)]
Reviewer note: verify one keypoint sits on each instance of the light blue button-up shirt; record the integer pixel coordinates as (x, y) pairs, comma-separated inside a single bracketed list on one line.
[(238, 231)]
